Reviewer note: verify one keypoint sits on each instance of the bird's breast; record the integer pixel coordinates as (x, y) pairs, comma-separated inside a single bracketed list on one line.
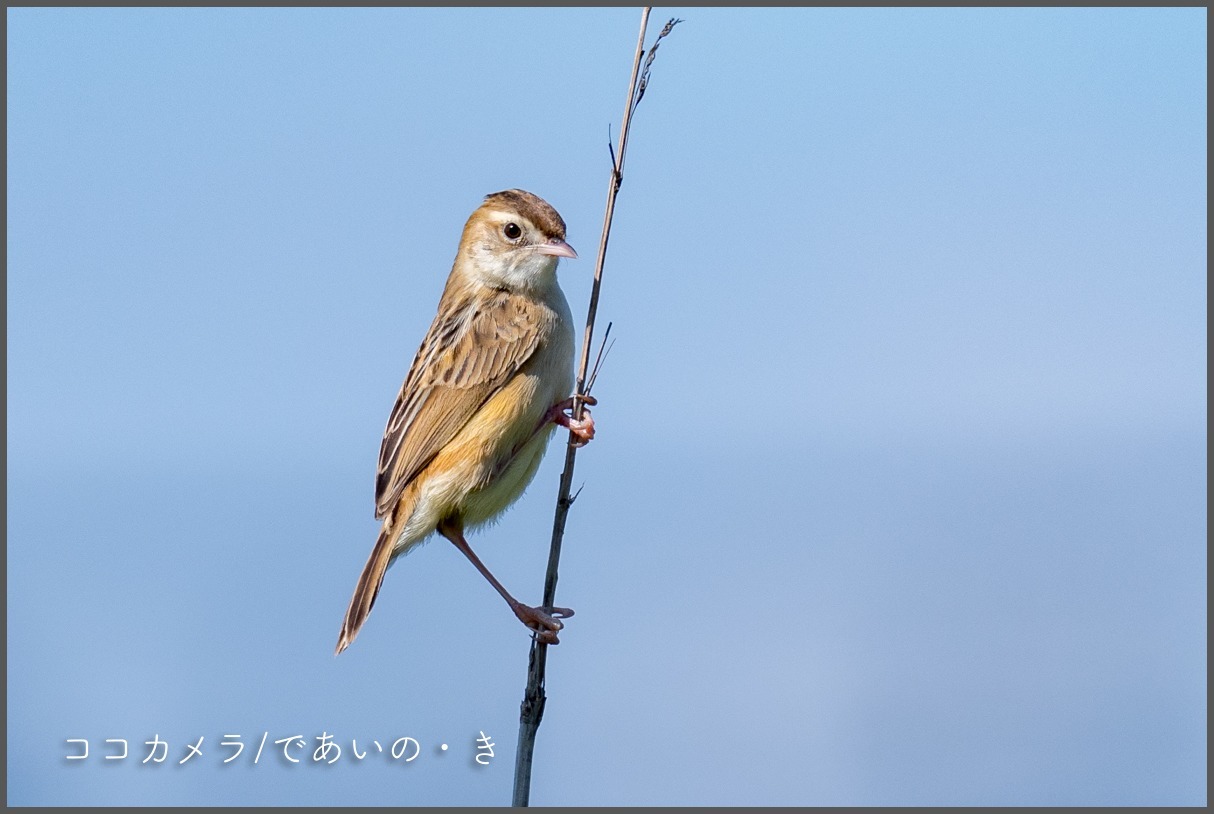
[(495, 455)]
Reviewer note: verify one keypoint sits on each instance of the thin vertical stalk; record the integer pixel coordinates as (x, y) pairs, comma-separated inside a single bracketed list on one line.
[(532, 709)]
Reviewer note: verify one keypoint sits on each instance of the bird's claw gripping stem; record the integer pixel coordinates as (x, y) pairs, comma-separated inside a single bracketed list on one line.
[(544, 621), (583, 428)]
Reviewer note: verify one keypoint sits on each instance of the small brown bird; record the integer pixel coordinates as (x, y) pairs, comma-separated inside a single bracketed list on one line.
[(485, 392)]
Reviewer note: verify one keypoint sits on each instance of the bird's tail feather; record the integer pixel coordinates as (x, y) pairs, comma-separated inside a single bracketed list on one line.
[(372, 577)]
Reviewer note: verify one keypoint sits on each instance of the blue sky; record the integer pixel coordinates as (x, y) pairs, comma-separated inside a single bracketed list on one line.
[(898, 495)]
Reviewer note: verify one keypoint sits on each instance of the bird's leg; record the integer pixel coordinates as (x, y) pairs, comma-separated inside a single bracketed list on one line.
[(582, 428), (544, 621)]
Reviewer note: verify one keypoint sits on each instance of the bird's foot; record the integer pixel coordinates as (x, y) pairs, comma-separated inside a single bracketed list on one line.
[(582, 428), (545, 621)]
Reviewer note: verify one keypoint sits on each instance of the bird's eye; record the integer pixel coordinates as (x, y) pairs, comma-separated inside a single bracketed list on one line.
[(512, 231)]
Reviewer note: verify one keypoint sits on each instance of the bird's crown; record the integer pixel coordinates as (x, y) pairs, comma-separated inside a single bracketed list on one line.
[(530, 206)]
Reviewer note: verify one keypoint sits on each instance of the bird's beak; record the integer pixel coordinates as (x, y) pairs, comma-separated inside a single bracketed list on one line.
[(557, 248)]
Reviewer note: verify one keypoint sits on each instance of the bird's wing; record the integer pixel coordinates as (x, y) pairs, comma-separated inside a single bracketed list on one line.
[(470, 352)]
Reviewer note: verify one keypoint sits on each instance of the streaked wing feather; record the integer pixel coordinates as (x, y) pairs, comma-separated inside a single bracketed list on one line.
[(466, 357)]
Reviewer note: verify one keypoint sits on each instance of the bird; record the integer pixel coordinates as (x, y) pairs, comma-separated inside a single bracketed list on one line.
[(487, 389)]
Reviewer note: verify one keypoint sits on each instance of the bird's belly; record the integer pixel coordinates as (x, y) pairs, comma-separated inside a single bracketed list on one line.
[(491, 460), (515, 472)]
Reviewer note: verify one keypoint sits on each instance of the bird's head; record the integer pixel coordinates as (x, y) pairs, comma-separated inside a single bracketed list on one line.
[(514, 240)]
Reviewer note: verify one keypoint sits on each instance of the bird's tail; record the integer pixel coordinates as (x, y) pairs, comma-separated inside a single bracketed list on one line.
[(372, 577)]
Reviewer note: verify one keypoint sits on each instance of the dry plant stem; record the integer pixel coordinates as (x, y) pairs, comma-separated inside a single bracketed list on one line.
[(532, 710)]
